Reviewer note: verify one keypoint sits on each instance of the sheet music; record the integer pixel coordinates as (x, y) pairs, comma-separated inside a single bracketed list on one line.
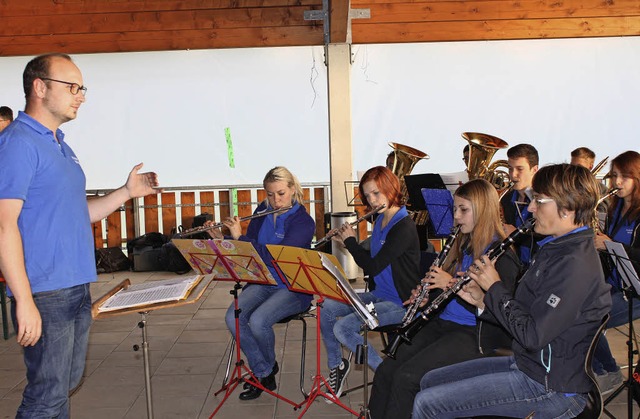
[(622, 263), (358, 305), (453, 180), (173, 289)]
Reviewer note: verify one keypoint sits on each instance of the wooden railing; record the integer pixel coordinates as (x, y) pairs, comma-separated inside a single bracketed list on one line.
[(175, 207)]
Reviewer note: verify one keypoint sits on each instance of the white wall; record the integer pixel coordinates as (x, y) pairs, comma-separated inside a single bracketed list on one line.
[(170, 109), (554, 94)]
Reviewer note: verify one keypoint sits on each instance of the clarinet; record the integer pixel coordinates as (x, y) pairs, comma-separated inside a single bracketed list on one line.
[(407, 332), (391, 349), (413, 308)]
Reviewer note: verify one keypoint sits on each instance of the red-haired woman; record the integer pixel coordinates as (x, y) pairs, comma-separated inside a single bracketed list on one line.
[(392, 264), (623, 225)]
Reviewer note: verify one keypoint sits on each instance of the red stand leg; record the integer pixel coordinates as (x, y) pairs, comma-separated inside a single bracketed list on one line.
[(240, 372), (319, 380)]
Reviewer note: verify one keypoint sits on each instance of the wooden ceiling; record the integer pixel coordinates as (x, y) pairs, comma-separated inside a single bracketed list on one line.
[(29, 27)]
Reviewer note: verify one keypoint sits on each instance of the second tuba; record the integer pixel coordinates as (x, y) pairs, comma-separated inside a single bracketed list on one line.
[(482, 147)]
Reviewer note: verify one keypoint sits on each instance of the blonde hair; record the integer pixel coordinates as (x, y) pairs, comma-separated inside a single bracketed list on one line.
[(485, 204), (281, 173)]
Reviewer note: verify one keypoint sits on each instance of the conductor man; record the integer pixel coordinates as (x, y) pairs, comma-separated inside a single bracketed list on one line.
[(46, 242)]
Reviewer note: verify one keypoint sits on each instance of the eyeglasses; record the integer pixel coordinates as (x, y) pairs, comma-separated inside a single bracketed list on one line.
[(73, 87), (541, 201)]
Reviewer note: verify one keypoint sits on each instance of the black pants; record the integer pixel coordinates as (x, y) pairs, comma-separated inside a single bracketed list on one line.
[(397, 381)]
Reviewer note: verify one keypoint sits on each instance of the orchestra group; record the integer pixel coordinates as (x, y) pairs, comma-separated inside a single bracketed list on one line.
[(518, 291)]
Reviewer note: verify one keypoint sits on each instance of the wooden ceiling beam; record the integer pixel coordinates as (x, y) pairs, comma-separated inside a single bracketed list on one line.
[(446, 11), (161, 40), (497, 30), (339, 21)]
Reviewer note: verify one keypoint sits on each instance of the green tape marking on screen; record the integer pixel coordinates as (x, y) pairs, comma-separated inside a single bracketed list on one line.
[(227, 136)]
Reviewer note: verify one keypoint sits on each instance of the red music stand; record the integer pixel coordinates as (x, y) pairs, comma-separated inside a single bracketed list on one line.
[(238, 261), (303, 272)]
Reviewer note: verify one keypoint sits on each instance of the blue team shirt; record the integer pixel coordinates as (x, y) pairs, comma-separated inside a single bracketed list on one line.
[(54, 221), (454, 311), (385, 287)]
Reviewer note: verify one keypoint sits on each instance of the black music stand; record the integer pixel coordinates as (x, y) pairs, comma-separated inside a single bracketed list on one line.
[(415, 203), (631, 289), (303, 271), (367, 314), (237, 261)]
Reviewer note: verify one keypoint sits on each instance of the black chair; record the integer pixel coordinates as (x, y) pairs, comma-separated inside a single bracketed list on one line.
[(593, 409), (299, 316)]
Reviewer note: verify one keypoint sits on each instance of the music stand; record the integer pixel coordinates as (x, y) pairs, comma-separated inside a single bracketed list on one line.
[(237, 261), (439, 202), (631, 289), (367, 314), (302, 270), (143, 310), (415, 203)]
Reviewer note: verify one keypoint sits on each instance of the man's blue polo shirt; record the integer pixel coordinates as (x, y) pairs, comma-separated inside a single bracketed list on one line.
[(54, 222)]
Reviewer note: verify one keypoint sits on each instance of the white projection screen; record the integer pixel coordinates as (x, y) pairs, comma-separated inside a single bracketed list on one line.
[(171, 109)]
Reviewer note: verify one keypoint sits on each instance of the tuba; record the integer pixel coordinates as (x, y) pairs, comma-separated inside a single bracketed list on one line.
[(482, 147), (404, 159)]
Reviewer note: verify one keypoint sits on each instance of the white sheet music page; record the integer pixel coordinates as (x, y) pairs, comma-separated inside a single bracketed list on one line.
[(173, 289)]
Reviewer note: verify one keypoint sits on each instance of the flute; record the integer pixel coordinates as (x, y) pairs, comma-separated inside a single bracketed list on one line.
[(407, 332), (200, 229), (328, 237)]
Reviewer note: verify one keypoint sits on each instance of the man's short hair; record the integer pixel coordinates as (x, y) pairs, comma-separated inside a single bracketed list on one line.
[(6, 113), (583, 153), (524, 150), (38, 68)]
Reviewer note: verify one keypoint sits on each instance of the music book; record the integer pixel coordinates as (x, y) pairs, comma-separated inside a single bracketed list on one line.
[(174, 289), (365, 312)]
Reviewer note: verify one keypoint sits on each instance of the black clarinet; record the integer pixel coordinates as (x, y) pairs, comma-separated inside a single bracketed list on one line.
[(413, 308), (407, 333)]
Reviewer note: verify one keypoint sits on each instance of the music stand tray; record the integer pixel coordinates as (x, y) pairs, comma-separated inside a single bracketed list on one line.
[(193, 296)]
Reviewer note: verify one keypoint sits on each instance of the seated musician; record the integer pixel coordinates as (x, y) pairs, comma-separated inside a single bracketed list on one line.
[(553, 316), (264, 305), (454, 335), (392, 264), (523, 164), (622, 226)]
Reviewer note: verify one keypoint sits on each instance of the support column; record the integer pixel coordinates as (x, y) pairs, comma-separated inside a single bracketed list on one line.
[(338, 58)]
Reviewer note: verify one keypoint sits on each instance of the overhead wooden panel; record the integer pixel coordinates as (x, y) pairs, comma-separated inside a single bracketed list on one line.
[(29, 27), (427, 21), (83, 26)]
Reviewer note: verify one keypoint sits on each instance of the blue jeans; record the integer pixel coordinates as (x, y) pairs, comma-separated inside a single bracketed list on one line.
[(262, 306), (603, 360), (490, 387), (56, 362), (346, 330)]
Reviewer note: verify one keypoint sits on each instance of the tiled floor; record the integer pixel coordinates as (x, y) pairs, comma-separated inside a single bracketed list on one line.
[(187, 351)]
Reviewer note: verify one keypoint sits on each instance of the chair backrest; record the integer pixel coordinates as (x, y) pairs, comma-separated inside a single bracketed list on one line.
[(593, 410)]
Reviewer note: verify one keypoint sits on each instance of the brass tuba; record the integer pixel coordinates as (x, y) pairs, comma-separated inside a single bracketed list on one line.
[(404, 159), (482, 147)]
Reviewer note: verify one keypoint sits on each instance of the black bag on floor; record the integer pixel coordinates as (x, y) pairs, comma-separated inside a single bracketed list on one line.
[(111, 259), (145, 252), (172, 260)]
